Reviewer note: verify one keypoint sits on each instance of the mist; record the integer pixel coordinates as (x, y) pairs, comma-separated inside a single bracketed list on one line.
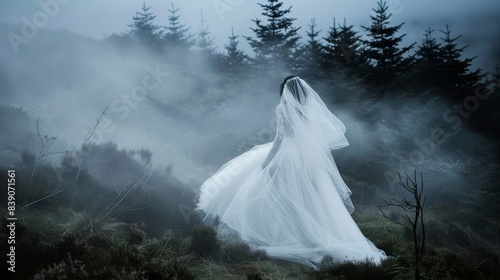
[(166, 117), (68, 84), (194, 118)]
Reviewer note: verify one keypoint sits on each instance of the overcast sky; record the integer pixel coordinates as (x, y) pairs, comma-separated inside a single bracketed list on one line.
[(478, 21)]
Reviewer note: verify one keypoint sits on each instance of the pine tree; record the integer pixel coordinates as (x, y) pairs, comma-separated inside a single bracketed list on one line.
[(457, 70), (332, 53), (204, 42), (429, 51), (275, 41), (429, 66), (235, 59), (342, 48), (176, 35), (313, 44), (383, 51), (143, 27), (308, 57), (350, 44)]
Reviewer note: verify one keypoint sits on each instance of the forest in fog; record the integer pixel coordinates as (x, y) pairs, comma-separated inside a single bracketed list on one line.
[(110, 140)]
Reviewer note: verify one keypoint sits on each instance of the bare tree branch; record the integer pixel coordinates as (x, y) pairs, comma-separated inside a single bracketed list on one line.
[(414, 217)]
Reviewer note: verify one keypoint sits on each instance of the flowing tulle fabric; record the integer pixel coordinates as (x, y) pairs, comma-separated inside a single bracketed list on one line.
[(297, 207)]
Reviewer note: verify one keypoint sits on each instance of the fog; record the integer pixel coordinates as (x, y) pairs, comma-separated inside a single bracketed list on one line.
[(194, 119), (68, 84), (111, 120)]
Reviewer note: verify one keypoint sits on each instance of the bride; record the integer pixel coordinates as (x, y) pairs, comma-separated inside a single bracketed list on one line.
[(287, 197)]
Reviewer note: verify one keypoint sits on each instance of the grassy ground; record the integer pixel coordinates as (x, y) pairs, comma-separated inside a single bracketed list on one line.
[(66, 244), (87, 229)]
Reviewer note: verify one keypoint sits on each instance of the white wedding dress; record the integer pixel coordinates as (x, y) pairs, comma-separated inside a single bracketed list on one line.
[(287, 197)]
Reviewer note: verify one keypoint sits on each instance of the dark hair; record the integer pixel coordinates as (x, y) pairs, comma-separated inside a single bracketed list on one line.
[(294, 90), (282, 86)]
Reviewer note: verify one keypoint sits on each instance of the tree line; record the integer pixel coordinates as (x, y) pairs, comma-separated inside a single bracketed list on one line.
[(379, 58)]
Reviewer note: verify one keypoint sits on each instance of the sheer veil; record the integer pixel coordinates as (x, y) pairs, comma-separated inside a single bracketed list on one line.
[(316, 128), (308, 115), (287, 196)]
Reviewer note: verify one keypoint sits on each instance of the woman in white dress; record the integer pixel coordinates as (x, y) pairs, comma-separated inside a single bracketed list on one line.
[(287, 197)]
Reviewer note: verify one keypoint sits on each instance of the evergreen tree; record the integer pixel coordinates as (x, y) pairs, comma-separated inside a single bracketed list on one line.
[(275, 41), (313, 50), (488, 117), (457, 69), (235, 59), (176, 35), (332, 53), (313, 44), (205, 43), (143, 27), (342, 48), (350, 44), (429, 51), (383, 52), (429, 66)]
